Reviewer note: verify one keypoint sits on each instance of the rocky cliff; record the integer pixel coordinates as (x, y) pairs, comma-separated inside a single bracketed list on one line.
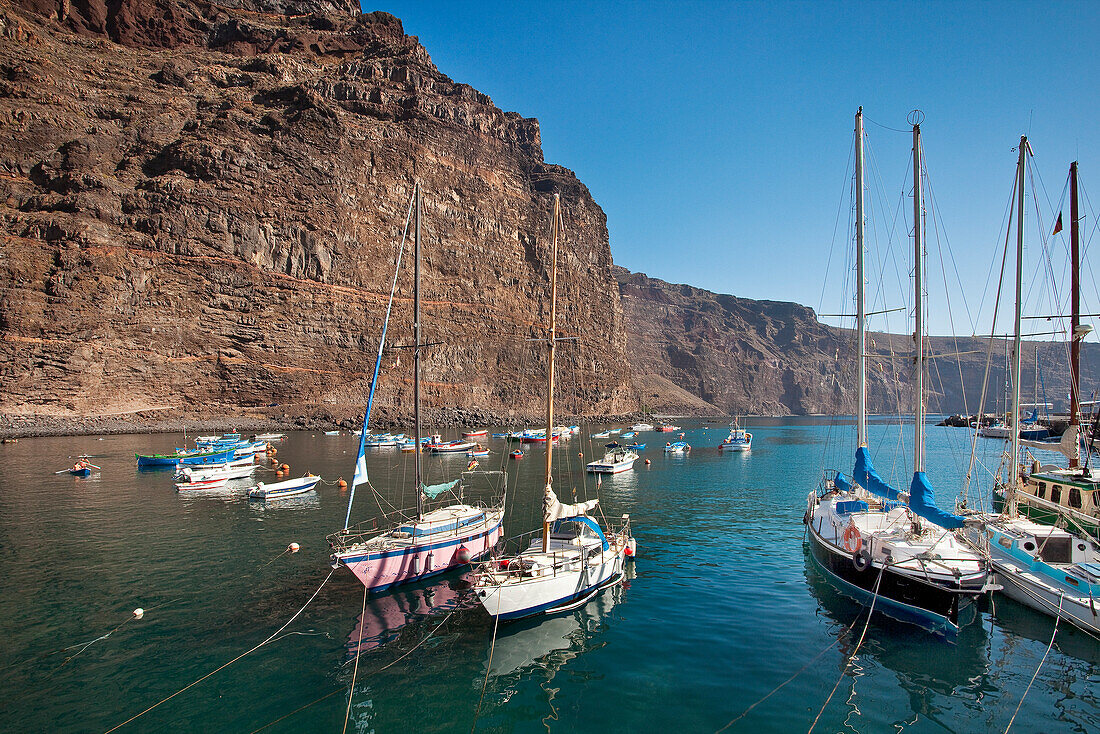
[(769, 357), (201, 206)]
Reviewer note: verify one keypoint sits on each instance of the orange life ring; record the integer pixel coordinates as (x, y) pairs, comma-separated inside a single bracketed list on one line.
[(853, 541)]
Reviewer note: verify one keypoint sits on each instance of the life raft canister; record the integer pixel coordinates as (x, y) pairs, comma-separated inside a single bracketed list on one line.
[(853, 541)]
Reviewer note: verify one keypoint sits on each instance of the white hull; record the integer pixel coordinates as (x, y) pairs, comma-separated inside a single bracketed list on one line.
[(557, 581), (279, 490)]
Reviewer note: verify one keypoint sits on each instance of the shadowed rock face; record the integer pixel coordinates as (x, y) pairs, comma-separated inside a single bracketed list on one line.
[(770, 357), (201, 207)]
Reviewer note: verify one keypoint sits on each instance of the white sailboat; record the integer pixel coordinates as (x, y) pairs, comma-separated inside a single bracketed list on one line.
[(1051, 568), (427, 540), (866, 536), (573, 557)]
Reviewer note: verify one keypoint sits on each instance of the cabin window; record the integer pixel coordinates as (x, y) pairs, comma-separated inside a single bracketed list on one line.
[(1042, 493), (1029, 546), (1056, 494), (1075, 497)]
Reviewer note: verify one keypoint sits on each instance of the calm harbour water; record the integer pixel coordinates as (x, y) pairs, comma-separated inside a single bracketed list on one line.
[(722, 607)]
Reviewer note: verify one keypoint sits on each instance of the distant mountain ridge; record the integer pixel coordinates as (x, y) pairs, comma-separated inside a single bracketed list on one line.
[(775, 358)]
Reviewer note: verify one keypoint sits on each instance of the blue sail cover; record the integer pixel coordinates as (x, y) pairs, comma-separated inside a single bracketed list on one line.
[(434, 490), (866, 476), (841, 483), (922, 500)]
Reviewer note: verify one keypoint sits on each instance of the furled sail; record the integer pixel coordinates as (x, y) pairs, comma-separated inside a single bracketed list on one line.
[(866, 476), (553, 510), (922, 500), (841, 483)]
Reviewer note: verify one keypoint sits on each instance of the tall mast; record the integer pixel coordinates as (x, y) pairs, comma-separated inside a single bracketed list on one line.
[(861, 316), (1075, 310), (918, 300), (1014, 416), (555, 228), (416, 359)]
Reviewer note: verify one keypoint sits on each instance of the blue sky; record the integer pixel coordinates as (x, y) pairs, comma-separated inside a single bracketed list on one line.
[(724, 129)]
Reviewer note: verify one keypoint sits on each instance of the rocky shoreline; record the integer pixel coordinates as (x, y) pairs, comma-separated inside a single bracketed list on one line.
[(249, 420)]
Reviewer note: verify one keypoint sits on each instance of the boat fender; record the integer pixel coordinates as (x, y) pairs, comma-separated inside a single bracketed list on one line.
[(342, 484), (285, 467), (806, 517), (853, 541), (139, 613), (462, 555), (861, 559)]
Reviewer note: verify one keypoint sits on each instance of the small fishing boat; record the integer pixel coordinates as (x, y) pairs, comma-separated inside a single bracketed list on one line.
[(82, 467), (667, 428), (517, 454), (249, 449), (145, 461), (332, 433), (500, 435), (216, 471), (602, 434), (535, 436), (451, 447), (268, 437), (678, 447), (635, 447), (278, 490), (480, 433), (616, 460), (407, 447), (212, 483), (380, 440), (628, 434), (642, 427), (477, 451), (738, 440)]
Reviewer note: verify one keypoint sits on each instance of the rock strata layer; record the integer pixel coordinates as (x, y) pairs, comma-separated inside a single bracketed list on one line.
[(201, 208)]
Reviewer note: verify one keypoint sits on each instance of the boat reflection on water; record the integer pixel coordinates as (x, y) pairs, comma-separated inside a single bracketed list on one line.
[(546, 644), (387, 614), (930, 676)]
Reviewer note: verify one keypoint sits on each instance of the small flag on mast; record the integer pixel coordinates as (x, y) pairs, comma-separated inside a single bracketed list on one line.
[(1057, 225)]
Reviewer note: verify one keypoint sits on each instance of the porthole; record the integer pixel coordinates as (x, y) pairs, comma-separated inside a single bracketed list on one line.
[(1080, 546), (1029, 546)]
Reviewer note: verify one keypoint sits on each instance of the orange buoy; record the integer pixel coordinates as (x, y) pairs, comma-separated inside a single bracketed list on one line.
[(279, 472), (580, 454), (342, 484), (272, 450), (285, 467), (647, 462)]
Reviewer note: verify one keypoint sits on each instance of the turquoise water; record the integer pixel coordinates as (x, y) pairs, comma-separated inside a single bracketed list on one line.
[(723, 606)]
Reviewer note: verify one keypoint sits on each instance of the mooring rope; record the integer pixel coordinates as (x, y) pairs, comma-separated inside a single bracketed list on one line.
[(802, 670), (489, 665), (844, 670), (226, 665), (358, 649), (1057, 619), (333, 692)]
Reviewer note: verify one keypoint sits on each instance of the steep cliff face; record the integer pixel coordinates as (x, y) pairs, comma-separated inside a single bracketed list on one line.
[(769, 357), (201, 206)]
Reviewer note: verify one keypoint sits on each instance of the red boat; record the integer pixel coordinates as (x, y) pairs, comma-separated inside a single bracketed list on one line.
[(482, 433)]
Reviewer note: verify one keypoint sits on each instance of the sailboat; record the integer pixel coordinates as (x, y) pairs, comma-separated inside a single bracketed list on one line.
[(573, 557), (1053, 568), (427, 540), (738, 440), (866, 536)]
